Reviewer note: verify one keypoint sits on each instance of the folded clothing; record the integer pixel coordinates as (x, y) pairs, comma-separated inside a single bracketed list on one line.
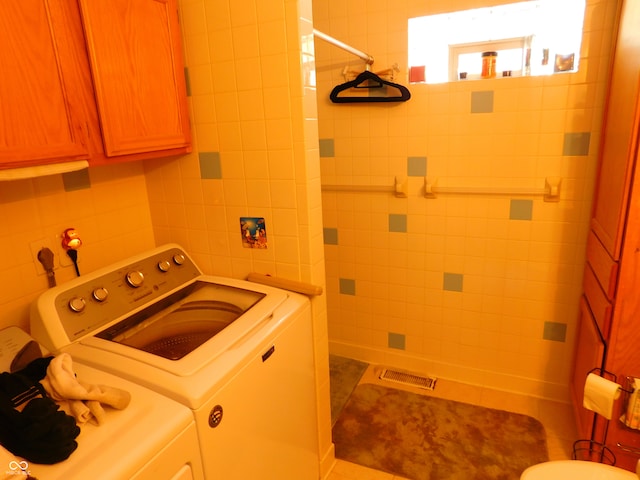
[(78, 398), (31, 425)]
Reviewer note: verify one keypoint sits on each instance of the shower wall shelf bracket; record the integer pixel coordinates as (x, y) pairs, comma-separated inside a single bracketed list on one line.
[(399, 188), (550, 192)]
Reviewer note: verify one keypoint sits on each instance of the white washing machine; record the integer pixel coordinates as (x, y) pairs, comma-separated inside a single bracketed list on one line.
[(238, 354), (153, 438)]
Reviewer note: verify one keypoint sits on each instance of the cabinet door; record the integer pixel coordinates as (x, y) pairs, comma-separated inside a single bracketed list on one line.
[(40, 122), (619, 140), (134, 49), (589, 354)]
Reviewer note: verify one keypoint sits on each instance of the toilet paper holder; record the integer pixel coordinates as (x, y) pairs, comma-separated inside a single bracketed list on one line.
[(625, 388), (591, 449), (630, 397)]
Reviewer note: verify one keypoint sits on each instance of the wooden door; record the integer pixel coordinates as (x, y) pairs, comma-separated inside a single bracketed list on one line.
[(40, 120), (620, 136), (134, 49), (623, 355)]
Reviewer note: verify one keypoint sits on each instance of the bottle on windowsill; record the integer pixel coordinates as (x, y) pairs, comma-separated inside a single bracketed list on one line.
[(489, 64)]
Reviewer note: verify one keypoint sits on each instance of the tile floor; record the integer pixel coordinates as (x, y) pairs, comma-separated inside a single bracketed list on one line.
[(556, 417)]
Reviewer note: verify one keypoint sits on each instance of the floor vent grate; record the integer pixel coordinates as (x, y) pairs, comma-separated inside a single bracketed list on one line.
[(428, 383)]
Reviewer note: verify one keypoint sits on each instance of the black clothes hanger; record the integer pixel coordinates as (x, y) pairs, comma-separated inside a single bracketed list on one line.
[(370, 80)]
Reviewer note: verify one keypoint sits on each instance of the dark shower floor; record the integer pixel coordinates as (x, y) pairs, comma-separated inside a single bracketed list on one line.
[(344, 373)]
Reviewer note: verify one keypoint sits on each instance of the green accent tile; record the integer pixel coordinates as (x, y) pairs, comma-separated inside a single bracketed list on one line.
[(482, 102), (397, 340), (330, 236), (555, 331), (210, 165), (576, 144), (347, 286), (397, 222), (452, 282), (416, 166), (187, 81), (78, 180), (327, 147), (521, 210)]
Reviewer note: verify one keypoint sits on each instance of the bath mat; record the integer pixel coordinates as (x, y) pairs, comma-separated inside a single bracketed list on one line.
[(344, 375), (426, 438)]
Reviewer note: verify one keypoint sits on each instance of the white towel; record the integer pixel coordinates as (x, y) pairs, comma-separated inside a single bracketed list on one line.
[(79, 399)]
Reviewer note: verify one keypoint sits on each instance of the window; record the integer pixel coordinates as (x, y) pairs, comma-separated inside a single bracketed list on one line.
[(538, 37), (463, 58)]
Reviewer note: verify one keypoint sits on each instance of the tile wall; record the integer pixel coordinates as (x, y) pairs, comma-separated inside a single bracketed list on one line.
[(482, 289), (254, 120), (35, 212)]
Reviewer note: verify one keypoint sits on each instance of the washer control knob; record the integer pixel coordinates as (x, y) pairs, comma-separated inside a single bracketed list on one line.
[(100, 294), (135, 278), (164, 265), (77, 304), (179, 259)]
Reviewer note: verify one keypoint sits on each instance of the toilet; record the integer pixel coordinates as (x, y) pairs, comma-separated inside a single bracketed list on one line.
[(576, 469)]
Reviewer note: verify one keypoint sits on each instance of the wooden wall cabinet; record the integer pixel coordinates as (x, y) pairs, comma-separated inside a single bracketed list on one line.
[(41, 118), (609, 325), (138, 74), (89, 79)]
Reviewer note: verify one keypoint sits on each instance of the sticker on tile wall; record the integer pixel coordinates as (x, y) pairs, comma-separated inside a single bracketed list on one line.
[(254, 232)]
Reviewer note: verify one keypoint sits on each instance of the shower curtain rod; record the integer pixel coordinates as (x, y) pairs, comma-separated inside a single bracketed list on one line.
[(359, 53)]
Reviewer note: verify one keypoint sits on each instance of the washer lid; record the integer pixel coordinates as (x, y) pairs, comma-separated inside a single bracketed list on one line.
[(123, 443)]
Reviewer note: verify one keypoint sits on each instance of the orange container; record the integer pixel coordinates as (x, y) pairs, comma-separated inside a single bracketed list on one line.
[(489, 64)]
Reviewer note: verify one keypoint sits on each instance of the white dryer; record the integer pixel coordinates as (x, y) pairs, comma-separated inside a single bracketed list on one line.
[(238, 354), (152, 438)]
